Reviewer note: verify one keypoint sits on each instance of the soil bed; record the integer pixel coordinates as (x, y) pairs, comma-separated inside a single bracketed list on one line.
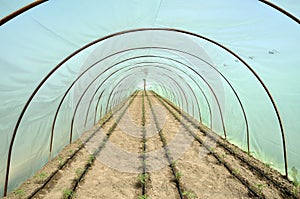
[(116, 171)]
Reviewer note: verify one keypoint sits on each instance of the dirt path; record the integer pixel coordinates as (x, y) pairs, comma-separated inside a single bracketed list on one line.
[(200, 175), (114, 173), (161, 180), (194, 172), (215, 179)]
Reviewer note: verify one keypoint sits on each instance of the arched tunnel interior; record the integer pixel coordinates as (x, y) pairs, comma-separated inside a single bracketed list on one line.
[(193, 76)]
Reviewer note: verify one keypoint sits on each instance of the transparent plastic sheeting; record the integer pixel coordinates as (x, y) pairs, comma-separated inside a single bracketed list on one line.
[(291, 6), (175, 65), (8, 7)]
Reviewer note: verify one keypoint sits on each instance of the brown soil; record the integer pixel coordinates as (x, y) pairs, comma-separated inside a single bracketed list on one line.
[(116, 170), (200, 175)]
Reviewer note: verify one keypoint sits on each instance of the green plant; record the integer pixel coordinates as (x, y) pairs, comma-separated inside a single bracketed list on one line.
[(143, 177), (260, 188), (294, 176), (294, 173), (178, 175), (41, 177), (60, 161), (174, 162), (236, 171), (19, 192), (144, 153), (189, 194), (296, 189), (91, 159), (168, 153), (143, 197), (67, 193), (269, 165), (78, 172), (80, 142)]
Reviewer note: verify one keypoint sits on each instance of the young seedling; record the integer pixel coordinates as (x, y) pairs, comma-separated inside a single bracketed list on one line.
[(67, 193), (60, 161), (189, 194), (260, 188), (78, 173), (143, 177), (212, 150), (91, 159), (178, 175), (174, 162), (295, 180), (168, 152), (296, 189), (80, 143), (236, 171), (294, 176), (143, 197), (19, 192), (269, 166), (223, 155), (41, 177)]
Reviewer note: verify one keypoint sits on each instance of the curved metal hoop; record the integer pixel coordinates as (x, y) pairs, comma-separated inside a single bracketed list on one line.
[(155, 66), (179, 69), (283, 11), (213, 67), (182, 91), (81, 97), (121, 81), (140, 48), (164, 74), (139, 30), (20, 11), (152, 56), (169, 65)]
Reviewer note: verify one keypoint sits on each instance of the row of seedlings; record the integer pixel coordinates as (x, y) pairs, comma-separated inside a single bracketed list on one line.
[(255, 188), (80, 174), (174, 170), (44, 178), (187, 193), (262, 170), (143, 177)]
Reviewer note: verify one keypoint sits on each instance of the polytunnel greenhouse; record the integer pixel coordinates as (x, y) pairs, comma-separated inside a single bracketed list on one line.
[(150, 99)]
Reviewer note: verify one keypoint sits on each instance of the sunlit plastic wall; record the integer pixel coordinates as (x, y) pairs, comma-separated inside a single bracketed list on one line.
[(197, 75)]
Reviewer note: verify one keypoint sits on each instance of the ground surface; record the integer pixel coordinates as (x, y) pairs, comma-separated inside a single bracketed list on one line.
[(173, 164)]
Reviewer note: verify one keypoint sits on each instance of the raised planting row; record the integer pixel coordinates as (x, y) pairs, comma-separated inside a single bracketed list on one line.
[(95, 146), (159, 178), (198, 176), (234, 159), (175, 173), (113, 175), (58, 177), (143, 177), (148, 148)]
